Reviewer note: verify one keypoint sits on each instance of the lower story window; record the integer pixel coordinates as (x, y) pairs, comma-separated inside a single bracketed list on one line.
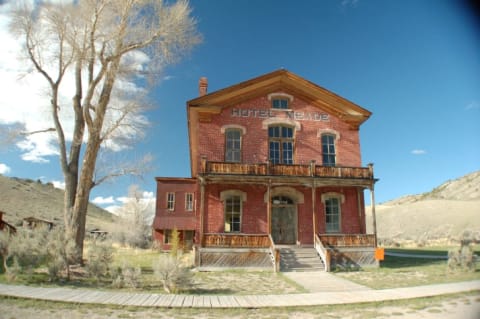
[(233, 213), (332, 215)]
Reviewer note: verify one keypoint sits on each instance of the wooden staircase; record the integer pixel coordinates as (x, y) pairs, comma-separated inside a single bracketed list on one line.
[(294, 258)]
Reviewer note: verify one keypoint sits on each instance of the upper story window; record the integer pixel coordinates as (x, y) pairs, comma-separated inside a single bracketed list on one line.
[(280, 100), (171, 201), (328, 150), (280, 103), (280, 140), (233, 145), (189, 202)]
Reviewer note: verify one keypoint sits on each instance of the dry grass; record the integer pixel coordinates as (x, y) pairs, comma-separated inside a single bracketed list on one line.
[(396, 272)]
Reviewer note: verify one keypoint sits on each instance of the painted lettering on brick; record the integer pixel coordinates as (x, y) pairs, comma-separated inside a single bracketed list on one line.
[(293, 115)]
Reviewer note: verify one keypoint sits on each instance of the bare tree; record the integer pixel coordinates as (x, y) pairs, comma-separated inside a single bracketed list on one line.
[(96, 44), (136, 216)]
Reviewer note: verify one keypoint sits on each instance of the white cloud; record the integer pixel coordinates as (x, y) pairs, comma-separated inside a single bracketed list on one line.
[(99, 200), (114, 209), (4, 169), (418, 152), (58, 184)]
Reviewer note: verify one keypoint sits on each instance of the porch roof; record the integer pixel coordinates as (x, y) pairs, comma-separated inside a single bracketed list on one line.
[(171, 222)]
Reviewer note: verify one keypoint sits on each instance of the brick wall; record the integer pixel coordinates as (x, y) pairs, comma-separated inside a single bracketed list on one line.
[(255, 141)]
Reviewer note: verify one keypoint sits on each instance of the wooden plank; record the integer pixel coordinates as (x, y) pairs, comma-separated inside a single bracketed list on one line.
[(151, 300), (188, 301), (228, 301), (177, 301), (197, 301)]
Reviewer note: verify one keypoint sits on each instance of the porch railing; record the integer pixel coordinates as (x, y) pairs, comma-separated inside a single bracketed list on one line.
[(267, 169), (323, 252), (347, 240), (236, 240), (275, 254)]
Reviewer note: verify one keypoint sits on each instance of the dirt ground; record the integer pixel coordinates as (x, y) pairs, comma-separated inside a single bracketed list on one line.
[(453, 307)]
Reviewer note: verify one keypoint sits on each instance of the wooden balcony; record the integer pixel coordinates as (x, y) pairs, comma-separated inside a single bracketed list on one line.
[(347, 240), (267, 169), (236, 241)]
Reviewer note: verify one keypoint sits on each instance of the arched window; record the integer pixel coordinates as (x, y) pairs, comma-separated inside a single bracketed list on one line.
[(281, 144), (328, 150)]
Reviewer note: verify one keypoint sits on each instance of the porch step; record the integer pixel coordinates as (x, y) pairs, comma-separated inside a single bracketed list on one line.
[(300, 259)]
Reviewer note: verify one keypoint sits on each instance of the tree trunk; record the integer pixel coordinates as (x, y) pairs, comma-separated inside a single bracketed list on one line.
[(85, 185)]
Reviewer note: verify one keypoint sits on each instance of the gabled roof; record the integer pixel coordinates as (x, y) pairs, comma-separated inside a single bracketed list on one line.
[(285, 81), (203, 107)]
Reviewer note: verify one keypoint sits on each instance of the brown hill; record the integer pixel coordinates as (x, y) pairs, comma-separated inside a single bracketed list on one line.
[(443, 213), (21, 198)]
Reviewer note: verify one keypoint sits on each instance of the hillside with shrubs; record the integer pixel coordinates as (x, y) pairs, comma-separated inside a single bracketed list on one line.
[(22, 198), (440, 216)]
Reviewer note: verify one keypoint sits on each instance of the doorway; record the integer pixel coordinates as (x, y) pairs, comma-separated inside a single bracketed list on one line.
[(284, 220)]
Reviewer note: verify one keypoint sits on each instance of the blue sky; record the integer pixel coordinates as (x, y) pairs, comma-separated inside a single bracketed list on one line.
[(414, 64)]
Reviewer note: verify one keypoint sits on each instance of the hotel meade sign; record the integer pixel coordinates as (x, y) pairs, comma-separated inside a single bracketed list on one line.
[(293, 115)]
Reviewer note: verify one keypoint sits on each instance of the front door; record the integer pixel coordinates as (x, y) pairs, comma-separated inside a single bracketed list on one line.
[(188, 236), (284, 221)]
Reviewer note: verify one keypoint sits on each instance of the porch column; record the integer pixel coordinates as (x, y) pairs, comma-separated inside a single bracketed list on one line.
[(314, 218), (314, 201), (269, 208), (374, 219), (361, 210), (202, 207)]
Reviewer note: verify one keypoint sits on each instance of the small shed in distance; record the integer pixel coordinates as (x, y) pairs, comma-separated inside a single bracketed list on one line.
[(34, 222)]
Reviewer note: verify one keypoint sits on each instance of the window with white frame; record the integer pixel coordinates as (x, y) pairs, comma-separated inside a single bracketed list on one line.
[(332, 214), (280, 141), (281, 103), (189, 202), (233, 145), (328, 150), (233, 214), (171, 201)]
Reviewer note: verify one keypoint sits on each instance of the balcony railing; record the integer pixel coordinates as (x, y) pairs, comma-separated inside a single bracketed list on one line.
[(267, 169), (236, 241), (347, 240)]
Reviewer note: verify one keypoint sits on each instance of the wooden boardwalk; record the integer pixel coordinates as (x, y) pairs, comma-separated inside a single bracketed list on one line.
[(90, 296)]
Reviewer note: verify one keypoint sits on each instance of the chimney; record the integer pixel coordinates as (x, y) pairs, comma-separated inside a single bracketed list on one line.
[(202, 86)]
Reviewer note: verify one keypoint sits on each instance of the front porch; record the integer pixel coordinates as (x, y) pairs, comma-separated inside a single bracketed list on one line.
[(224, 250)]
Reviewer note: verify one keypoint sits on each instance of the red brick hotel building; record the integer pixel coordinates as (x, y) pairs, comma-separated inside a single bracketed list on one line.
[(275, 166)]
